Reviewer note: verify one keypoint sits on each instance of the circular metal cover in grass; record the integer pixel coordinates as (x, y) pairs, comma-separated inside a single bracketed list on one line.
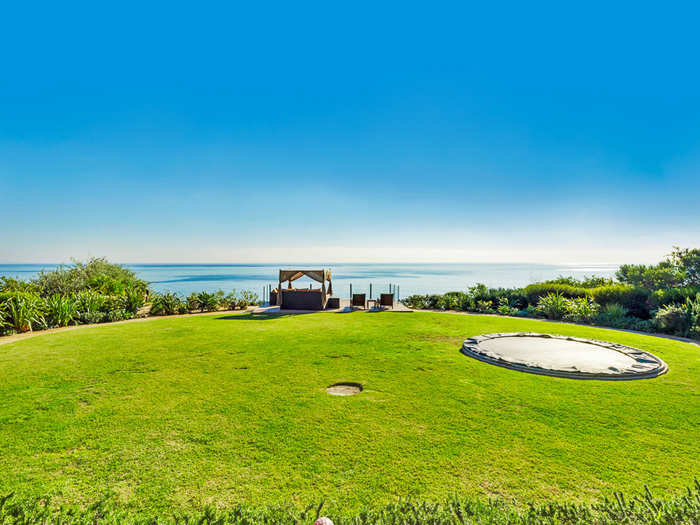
[(344, 389), (563, 356)]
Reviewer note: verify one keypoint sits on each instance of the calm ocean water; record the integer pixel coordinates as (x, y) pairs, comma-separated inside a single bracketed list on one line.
[(411, 278)]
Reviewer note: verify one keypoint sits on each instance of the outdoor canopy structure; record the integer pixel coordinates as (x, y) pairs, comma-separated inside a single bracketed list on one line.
[(304, 299)]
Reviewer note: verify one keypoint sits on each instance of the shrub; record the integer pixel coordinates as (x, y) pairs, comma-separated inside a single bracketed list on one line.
[(553, 306), (133, 299), (113, 302), (10, 284), (505, 308), (413, 301), (534, 292), (660, 298), (22, 311), (90, 305), (633, 298), (431, 301), (96, 274), (118, 314), (230, 300), (90, 317), (673, 319), (615, 310), (247, 299), (640, 325), (203, 301), (168, 304), (484, 307), (424, 302), (586, 282), (61, 310), (451, 301), (90, 301), (581, 309), (530, 311), (682, 320)]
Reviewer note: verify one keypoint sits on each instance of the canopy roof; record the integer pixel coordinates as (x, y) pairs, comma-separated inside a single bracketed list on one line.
[(317, 275)]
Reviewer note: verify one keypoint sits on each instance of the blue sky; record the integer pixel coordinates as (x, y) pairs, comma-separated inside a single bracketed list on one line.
[(349, 132)]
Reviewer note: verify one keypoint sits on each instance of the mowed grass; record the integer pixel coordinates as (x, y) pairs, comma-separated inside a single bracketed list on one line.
[(222, 409)]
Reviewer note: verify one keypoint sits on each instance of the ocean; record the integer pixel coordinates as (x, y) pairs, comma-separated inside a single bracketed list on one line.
[(409, 278)]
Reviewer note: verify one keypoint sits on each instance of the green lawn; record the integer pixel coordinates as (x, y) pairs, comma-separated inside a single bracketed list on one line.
[(176, 413)]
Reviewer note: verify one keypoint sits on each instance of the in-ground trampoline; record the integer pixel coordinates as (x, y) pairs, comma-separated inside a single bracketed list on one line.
[(562, 356)]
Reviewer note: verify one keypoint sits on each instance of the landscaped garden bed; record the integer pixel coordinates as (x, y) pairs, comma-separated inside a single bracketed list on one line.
[(663, 298)]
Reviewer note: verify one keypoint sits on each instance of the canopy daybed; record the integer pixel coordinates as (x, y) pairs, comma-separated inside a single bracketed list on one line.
[(302, 298)]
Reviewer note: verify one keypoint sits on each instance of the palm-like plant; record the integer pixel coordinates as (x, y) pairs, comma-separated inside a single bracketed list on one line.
[(208, 302), (167, 304), (133, 299)]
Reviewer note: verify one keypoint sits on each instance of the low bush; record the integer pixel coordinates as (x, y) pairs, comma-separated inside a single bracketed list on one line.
[(614, 310), (133, 299), (89, 301), (22, 311), (248, 298), (60, 310), (203, 301), (167, 304), (530, 311), (682, 320), (118, 315), (553, 306), (581, 310), (90, 317), (505, 307)]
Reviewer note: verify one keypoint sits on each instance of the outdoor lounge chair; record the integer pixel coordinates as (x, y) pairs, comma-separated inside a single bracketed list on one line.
[(386, 299), (358, 299)]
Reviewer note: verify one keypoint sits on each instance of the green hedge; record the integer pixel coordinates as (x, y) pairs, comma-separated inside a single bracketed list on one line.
[(633, 298), (534, 292), (660, 298)]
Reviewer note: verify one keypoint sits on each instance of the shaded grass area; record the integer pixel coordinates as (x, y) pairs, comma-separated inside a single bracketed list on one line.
[(181, 413)]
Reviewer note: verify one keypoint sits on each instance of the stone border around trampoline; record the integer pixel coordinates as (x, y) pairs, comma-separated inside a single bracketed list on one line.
[(647, 365)]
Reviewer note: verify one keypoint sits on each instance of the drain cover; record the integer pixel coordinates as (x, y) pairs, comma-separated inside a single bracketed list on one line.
[(344, 389)]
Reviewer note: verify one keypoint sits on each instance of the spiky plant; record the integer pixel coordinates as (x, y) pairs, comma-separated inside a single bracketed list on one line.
[(61, 310), (553, 305), (23, 311), (133, 299), (208, 302), (167, 304)]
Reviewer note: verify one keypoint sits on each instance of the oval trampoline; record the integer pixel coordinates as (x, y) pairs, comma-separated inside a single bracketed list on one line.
[(563, 356)]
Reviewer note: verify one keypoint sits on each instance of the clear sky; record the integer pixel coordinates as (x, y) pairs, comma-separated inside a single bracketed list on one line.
[(252, 131)]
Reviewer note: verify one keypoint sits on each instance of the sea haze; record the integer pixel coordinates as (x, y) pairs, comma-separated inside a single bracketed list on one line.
[(411, 278)]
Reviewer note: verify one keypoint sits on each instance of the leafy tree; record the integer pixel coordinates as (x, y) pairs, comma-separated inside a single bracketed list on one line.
[(688, 263), (680, 268)]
